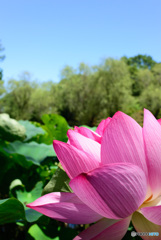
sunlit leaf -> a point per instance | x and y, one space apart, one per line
31 129
56 126
36 232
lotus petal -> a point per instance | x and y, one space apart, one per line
88 133
65 207
159 121
85 144
73 160
114 191
152 213
123 142
102 126
105 229
152 140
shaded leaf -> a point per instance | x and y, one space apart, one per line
11 156
11 210
32 215
58 183
28 197
11 164
32 151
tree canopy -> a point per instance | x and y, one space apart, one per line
89 93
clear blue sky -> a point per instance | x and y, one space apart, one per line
42 36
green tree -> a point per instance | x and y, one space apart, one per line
140 61
84 69
116 87
41 101
151 99
143 78
87 98
77 97
16 101
156 70
136 64
25 99
67 72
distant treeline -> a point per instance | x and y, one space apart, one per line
88 94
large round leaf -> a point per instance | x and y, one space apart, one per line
31 129
32 150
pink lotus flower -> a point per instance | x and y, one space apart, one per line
115 176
